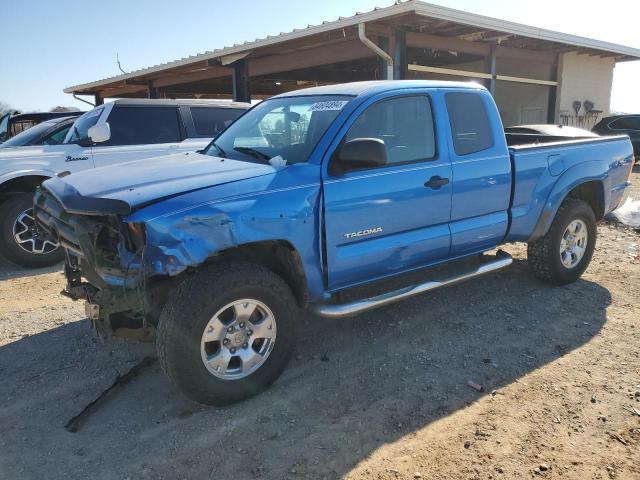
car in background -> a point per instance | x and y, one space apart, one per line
49 132
110 134
13 124
621 125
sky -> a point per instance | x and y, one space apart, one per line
49 45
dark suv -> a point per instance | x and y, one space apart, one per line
13 124
621 124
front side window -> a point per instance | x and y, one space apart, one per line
57 137
82 125
288 127
469 122
209 122
404 124
143 125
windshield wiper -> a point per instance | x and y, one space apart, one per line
253 152
220 149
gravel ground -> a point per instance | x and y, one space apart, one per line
380 396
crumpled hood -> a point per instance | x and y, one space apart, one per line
144 181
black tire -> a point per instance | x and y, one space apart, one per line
544 254
187 312
12 208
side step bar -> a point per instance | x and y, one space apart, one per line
502 259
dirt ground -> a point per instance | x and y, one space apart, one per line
380 396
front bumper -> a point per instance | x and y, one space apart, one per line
102 270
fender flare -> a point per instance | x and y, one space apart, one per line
4 178
573 177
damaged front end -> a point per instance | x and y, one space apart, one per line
105 264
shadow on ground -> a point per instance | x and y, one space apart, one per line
353 386
10 270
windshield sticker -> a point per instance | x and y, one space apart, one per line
327 106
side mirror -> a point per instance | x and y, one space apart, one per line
363 153
99 133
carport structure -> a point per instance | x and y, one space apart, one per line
536 75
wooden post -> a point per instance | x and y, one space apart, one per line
383 43
152 92
400 55
492 69
552 109
241 81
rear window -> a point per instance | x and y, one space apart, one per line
626 123
469 121
209 122
143 125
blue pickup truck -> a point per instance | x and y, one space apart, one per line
306 199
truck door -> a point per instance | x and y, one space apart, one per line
392 218
481 172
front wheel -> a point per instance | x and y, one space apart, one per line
227 332
563 254
20 241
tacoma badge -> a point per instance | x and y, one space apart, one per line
363 233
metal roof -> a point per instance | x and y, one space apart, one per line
400 7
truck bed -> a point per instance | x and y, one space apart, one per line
543 165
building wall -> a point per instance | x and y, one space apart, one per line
522 103
580 78
584 77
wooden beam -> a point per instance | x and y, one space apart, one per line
135 81
466 73
435 42
449 71
192 76
531 81
525 54
320 56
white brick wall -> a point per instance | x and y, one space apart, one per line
584 77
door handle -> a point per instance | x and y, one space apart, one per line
436 182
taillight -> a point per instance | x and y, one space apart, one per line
137 234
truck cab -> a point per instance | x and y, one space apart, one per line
308 198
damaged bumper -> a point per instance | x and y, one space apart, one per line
104 267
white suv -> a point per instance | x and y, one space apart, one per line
117 132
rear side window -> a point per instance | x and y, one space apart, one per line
404 124
209 122
469 121
626 123
143 125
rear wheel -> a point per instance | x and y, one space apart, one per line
20 241
227 332
563 254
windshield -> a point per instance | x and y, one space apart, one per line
288 127
27 136
80 127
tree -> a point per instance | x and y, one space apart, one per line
60 108
4 108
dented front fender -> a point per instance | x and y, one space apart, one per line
186 231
